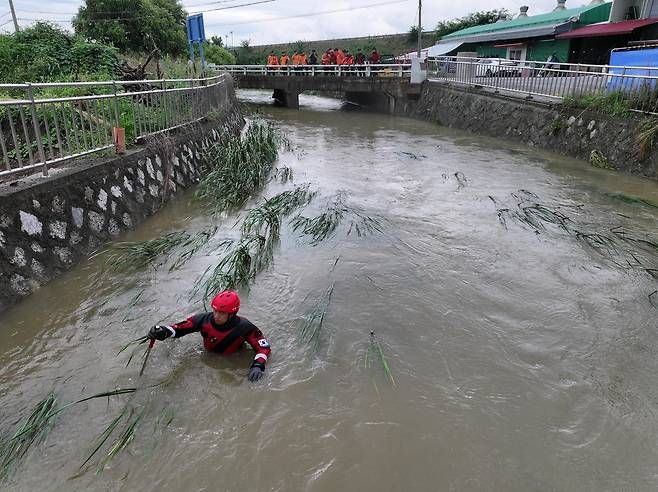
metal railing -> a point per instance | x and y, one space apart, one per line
40 130
550 80
374 70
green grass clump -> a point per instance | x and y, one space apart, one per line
139 254
314 319
31 430
254 251
239 167
615 103
324 225
375 352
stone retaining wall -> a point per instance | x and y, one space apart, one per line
47 225
568 131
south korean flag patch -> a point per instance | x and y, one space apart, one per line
263 343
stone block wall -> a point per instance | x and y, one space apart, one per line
48 225
568 131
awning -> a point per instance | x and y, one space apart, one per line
607 29
443 48
509 45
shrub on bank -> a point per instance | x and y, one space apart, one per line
46 53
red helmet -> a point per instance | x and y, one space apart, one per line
226 301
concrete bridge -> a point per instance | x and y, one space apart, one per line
383 87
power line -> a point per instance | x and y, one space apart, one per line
111 12
313 14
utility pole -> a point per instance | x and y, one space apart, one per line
13 14
420 28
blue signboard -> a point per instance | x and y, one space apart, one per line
196 34
195 30
626 62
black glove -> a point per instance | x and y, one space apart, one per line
159 332
256 372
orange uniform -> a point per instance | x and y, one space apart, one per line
326 59
272 60
340 57
284 60
302 59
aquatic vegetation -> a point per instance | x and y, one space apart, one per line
632 199
139 254
461 180
253 252
597 159
34 428
239 167
266 219
245 258
314 319
283 174
624 248
324 225
646 136
375 352
192 245
30 431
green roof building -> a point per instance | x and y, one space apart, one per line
526 37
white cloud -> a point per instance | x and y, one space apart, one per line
386 19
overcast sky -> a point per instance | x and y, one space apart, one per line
248 22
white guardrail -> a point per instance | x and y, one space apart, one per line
552 80
40 131
378 70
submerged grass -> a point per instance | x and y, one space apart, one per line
314 319
139 254
254 251
34 428
624 248
324 225
375 352
239 167
31 430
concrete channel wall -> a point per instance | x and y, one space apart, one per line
553 127
48 225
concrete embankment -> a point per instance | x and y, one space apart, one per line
569 131
49 224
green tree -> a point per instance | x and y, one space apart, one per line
218 55
46 53
134 25
412 35
217 41
444 28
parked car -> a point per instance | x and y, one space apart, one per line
497 67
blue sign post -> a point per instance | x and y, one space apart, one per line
196 34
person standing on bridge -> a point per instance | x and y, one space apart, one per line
313 59
223 331
333 57
272 60
340 56
360 59
374 57
284 60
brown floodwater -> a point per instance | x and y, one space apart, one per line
523 361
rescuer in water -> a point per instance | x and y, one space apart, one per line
223 331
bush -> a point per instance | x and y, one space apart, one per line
46 53
218 55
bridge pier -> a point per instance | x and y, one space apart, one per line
286 98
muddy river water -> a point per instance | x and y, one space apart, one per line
523 359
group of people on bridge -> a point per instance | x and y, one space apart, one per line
336 56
